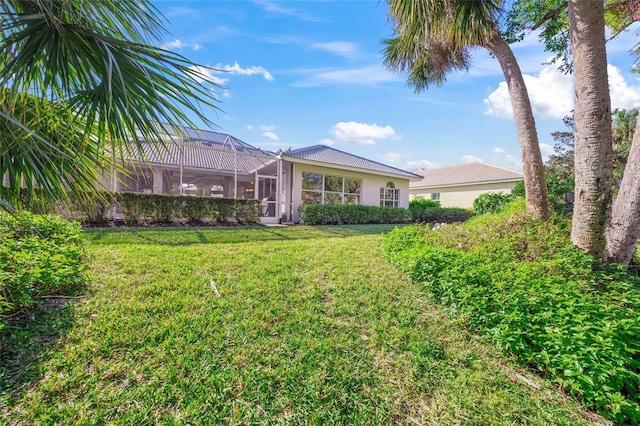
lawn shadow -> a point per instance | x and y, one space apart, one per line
28 341
179 236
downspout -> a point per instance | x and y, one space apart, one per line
279 202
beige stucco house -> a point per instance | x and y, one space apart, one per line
213 164
458 186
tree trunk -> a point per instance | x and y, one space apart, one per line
592 127
534 180
624 230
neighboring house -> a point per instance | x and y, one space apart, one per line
212 164
458 186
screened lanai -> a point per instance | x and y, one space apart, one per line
203 163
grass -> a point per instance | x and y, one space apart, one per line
312 325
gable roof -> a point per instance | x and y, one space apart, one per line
334 157
465 174
203 149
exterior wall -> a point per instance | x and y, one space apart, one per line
370 190
463 196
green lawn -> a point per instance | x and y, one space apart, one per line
311 325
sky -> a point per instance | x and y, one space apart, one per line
302 73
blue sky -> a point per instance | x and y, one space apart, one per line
299 73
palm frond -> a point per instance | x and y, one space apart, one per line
98 64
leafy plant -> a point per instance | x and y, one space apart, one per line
337 214
39 255
490 202
429 211
522 285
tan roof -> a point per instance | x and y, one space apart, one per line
465 174
332 156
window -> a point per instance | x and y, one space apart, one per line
327 189
389 195
435 196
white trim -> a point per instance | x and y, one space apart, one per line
353 169
450 185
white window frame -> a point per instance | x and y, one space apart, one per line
389 195
323 191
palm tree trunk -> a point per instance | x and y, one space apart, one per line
534 180
592 114
624 230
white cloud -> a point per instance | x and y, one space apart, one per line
467 158
390 157
550 92
271 135
237 69
327 142
269 128
273 7
203 74
515 162
362 133
546 150
177 44
622 95
552 95
340 48
507 160
498 150
421 164
365 76
249 127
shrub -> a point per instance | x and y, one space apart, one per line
523 285
490 202
337 214
429 211
39 255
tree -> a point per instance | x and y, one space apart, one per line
592 128
81 82
624 124
559 169
433 37
624 230
585 25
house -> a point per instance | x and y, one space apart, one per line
213 164
458 186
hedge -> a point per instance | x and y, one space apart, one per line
140 208
429 211
337 214
39 255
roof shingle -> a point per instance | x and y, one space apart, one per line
325 154
465 174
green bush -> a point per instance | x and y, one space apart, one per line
140 208
39 255
523 285
337 214
429 211
490 202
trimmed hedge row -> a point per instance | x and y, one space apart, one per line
524 286
429 211
161 208
39 255
337 214
139 208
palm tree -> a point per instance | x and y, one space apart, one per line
592 127
624 229
433 37
79 81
